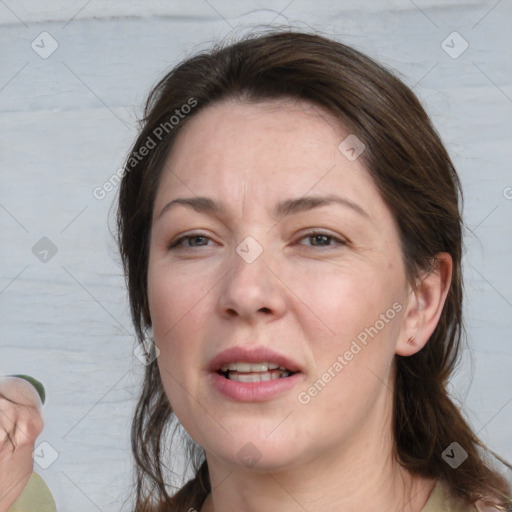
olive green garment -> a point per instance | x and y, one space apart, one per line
35 497
443 500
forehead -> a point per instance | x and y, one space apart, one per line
243 151
230 131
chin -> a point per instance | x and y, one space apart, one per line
254 452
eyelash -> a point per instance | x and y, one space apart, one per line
176 244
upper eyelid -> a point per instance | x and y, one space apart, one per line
307 234
181 238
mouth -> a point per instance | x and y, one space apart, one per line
254 372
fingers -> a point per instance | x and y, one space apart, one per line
19 391
6 442
7 425
19 425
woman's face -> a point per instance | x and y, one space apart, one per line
274 276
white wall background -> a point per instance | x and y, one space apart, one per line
67 122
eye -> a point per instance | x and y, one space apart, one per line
322 239
318 239
178 244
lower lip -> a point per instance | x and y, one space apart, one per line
253 391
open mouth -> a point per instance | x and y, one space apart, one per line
254 372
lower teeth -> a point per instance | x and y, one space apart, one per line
256 377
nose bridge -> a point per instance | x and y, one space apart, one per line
250 286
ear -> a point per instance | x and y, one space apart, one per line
425 304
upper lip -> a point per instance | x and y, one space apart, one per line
253 355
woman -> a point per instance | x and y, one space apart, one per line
290 229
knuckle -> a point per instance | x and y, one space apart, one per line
30 427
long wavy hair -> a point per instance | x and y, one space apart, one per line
416 179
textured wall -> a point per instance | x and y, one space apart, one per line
67 120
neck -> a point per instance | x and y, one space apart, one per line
318 492
361 474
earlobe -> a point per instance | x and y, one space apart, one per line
425 305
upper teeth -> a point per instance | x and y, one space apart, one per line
251 367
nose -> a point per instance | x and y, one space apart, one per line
251 290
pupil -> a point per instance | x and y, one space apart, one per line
320 237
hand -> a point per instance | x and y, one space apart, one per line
20 424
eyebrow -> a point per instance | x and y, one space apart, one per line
282 209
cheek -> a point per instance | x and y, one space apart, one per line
165 310
171 298
357 313
179 309
174 329
353 362
346 298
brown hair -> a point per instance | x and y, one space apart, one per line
416 179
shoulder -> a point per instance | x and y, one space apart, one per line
442 499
